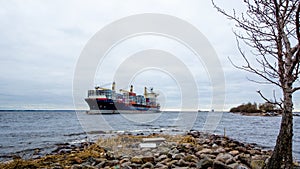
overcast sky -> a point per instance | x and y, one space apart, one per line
41 42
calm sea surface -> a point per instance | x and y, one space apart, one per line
24 131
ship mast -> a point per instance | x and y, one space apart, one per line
113 87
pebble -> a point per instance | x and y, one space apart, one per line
203 151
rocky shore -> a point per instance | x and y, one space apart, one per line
192 150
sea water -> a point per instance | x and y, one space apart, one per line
24 131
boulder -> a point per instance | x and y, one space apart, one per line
147 165
124 165
234 152
205 163
223 157
162 166
162 157
220 165
205 151
178 156
137 159
252 152
232 145
77 160
146 159
182 163
165 161
191 158
219 150
171 163
241 149
76 166
241 166
245 159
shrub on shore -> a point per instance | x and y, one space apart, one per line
254 108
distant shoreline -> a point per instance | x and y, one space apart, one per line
256 114
263 114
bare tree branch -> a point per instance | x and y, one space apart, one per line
269 101
271 29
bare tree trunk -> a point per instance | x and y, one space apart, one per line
272 30
283 150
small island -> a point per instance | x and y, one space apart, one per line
254 109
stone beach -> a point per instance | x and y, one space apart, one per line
193 150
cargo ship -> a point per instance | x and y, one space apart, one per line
108 101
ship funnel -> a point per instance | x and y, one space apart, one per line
113 87
145 92
131 88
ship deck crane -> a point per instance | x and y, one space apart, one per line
146 93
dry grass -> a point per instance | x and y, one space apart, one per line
50 161
104 147
128 144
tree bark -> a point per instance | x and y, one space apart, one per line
282 155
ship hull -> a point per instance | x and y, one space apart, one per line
109 106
